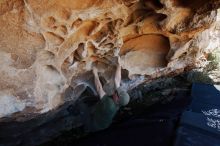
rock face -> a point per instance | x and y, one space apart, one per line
48 48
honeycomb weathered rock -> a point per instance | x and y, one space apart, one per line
47 47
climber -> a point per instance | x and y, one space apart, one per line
108 105
100 115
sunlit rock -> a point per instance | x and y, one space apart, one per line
48 48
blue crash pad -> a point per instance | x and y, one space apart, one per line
205 93
200 124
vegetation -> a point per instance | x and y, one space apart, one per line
211 73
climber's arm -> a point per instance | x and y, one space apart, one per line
118 74
98 84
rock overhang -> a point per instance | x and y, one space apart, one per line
48 47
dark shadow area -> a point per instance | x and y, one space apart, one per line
151 119
138 124
154 127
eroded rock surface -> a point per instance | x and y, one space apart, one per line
47 48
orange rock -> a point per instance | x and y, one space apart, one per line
53 38
45 44
150 43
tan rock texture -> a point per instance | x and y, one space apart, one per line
48 47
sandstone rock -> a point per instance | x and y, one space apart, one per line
47 48
53 38
145 54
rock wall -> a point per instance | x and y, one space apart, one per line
48 48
